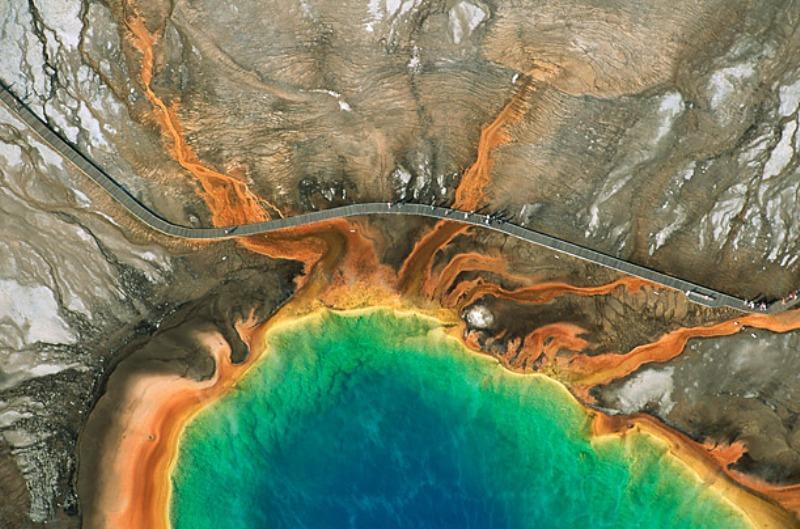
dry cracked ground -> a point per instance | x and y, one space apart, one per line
661 132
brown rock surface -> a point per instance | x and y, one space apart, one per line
663 132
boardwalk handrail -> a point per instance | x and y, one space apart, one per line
696 293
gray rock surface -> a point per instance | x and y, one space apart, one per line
665 132
738 388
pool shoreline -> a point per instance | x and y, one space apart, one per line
171 405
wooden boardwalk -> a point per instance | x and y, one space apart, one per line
696 293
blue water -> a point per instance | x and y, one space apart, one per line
379 421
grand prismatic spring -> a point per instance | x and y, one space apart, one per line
386 370
376 419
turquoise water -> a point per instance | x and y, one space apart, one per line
377 420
